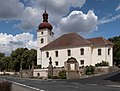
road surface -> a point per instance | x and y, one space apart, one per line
100 83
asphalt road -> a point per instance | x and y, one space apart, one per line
108 82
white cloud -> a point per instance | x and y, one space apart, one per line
109 19
77 21
118 8
8 42
30 16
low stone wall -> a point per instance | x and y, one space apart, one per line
98 71
40 73
11 73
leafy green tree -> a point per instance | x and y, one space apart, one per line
2 55
116 49
25 57
17 58
5 61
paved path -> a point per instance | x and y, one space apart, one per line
100 83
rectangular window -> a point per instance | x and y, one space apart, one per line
82 51
47 54
99 51
82 62
109 51
56 63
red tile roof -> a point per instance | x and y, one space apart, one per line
74 40
66 40
99 41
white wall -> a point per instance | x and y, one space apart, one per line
104 55
48 37
62 56
90 56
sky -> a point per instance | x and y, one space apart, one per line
19 20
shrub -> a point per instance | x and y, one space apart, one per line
55 77
103 63
89 70
5 86
62 74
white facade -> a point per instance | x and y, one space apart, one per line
90 47
90 56
44 36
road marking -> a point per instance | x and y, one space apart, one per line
92 84
69 86
62 82
54 81
24 85
27 86
118 86
75 83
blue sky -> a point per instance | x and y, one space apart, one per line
89 18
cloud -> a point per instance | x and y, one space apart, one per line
8 42
79 22
11 9
118 8
59 7
109 19
30 14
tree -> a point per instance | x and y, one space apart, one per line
25 57
17 58
116 49
2 55
5 61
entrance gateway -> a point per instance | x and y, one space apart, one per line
72 68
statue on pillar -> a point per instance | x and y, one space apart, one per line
50 68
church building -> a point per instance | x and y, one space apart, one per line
85 51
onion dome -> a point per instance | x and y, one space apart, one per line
45 23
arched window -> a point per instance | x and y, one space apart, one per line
41 33
42 40
47 54
56 53
109 51
69 52
99 51
82 51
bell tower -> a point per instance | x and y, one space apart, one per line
44 36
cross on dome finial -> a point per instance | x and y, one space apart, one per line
45 15
45 7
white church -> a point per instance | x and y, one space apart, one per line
85 51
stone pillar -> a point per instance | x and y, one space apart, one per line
32 70
50 68
21 69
